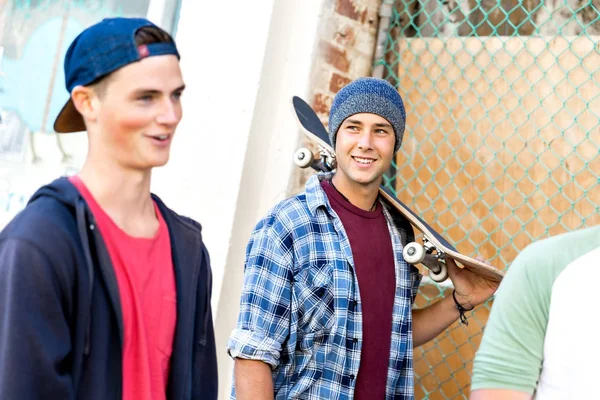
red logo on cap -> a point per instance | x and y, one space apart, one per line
143 51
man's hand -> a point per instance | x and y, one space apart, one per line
470 289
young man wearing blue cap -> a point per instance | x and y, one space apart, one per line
104 291
326 308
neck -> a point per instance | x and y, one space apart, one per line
124 194
360 195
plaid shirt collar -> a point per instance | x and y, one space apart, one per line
315 195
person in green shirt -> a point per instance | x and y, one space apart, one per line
541 338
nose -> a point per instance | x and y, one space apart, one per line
170 113
364 141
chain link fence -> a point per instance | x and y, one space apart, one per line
502 143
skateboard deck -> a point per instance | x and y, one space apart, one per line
435 247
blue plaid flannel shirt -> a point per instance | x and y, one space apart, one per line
300 306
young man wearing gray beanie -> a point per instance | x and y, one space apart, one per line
326 309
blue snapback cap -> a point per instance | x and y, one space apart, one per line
98 51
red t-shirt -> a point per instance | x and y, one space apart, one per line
373 256
146 280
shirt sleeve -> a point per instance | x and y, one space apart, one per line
415 278
511 350
264 317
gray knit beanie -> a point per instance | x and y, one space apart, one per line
368 95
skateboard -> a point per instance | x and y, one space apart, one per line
434 250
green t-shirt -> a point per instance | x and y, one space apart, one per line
541 336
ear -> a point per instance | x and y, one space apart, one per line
86 102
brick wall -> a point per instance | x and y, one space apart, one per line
344 52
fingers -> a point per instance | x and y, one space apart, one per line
451 265
483 260
451 262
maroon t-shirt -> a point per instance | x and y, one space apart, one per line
375 270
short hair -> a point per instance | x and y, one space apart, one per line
144 36
152 34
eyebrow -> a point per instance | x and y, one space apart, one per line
377 125
154 91
354 121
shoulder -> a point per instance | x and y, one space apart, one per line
47 224
544 260
291 211
41 244
287 216
566 246
179 223
283 223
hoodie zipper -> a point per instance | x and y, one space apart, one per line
105 265
82 227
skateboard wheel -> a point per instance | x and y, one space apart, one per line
303 157
413 253
441 275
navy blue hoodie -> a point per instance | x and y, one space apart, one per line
61 328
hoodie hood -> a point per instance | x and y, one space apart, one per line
60 189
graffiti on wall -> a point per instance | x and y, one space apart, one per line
34 37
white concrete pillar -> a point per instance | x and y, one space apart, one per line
232 156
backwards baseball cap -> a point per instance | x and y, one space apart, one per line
98 51
368 95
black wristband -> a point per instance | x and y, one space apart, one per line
461 309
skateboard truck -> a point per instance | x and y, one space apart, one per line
305 158
415 253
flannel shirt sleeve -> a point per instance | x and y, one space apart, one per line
415 277
264 316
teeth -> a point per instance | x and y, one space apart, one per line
363 160
162 137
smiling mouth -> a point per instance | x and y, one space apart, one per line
364 161
161 138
